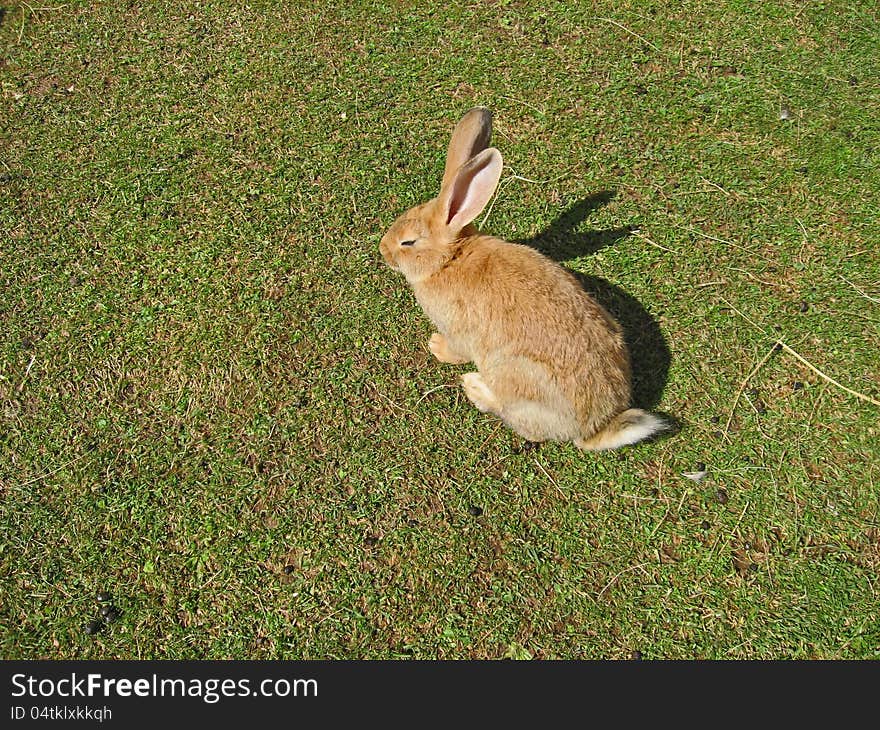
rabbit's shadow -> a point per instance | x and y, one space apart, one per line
649 352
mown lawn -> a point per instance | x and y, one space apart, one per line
217 403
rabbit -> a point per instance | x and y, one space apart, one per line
551 362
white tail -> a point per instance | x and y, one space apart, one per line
627 428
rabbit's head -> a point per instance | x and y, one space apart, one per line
424 238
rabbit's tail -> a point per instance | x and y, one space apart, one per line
624 429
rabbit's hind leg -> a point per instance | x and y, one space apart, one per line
530 402
533 420
537 422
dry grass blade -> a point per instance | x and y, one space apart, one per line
802 359
742 387
632 33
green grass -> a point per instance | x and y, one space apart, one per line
217 403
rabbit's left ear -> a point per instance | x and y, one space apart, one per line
471 136
463 198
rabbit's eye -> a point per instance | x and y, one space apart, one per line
407 243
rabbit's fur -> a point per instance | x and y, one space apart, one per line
550 361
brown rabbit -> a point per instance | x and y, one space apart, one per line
551 362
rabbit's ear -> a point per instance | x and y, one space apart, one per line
470 189
471 136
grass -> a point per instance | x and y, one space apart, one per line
217 403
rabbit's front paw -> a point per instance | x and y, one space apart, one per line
440 349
